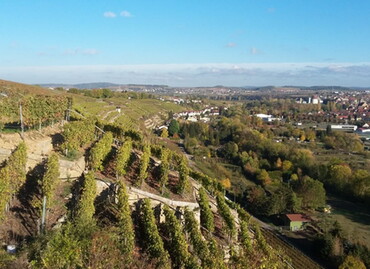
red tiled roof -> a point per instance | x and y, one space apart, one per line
297 217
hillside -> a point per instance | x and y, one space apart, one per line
111 187
21 220
11 88
42 107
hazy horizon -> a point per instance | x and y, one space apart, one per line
186 43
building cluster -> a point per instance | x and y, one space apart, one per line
199 115
178 100
268 118
342 106
351 106
315 100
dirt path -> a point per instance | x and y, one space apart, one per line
106 114
114 118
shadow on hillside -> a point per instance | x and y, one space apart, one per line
28 210
105 208
76 189
352 211
57 140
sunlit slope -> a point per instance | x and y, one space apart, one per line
11 88
133 111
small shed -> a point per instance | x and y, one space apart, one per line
295 222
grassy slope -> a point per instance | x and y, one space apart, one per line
355 223
14 88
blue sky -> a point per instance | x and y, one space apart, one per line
187 42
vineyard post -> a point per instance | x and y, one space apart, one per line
21 118
43 214
69 109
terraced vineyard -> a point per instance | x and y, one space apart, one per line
298 259
126 121
132 111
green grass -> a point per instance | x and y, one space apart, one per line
353 218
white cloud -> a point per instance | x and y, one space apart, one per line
79 51
206 74
255 51
126 14
271 10
230 45
90 52
109 14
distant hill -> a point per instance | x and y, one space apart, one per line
11 88
307 88
99 85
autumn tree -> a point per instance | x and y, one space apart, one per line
286 166
351 262
361 184
278 163
339 176
263 177
311 192
164 133
226 183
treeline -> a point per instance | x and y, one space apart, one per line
108 93
242 142
269 164
292 111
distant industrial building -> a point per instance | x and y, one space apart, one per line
268 118
343 127
315 100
